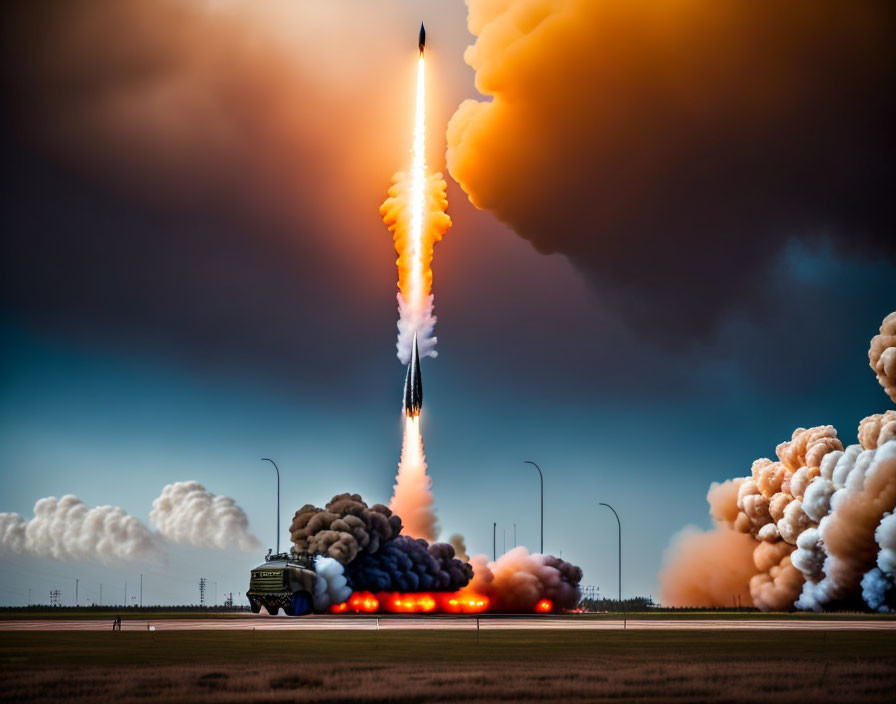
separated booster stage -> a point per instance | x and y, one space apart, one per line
413 385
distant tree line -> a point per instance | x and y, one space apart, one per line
133 608
646 603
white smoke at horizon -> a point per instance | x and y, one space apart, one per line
817 518
69 529
188 514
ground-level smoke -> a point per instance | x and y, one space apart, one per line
360 549
813 529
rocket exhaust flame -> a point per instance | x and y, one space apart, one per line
415 214
412 495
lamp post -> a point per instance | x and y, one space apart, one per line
541 479
619 525
266 459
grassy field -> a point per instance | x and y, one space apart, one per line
418 666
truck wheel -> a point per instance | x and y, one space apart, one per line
255 606
299 605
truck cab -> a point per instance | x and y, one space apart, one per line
283 580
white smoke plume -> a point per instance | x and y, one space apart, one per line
866 494
817 519
879 584
518 580
189 514
330 585
69 529
882 355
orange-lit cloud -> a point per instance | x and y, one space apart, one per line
670 149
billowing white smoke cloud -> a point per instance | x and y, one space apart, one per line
189 514
818 517
68 529
330 585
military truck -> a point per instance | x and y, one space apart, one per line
284 580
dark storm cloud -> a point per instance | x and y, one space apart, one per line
672 149
176 179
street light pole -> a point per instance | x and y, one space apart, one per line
619 525
541 479
266 459
494 542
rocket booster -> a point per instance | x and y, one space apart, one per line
413 385
421 40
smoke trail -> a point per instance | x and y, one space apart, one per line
415 214
412 494
518 581
882 355
68 529
330 585
187 513
816 517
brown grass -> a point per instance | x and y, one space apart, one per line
413 667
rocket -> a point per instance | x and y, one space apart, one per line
413 385
421 41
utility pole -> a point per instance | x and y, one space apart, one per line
541 479
494 542
101 593
216 593
29 596
514 535
125 593
505 541
141 589
266 459
76 591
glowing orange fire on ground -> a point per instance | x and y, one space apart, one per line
462 602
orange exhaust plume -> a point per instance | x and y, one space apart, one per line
415 214
412 495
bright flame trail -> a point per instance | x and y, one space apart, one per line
415 214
